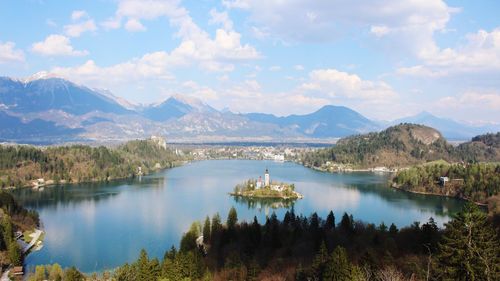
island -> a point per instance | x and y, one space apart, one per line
258 189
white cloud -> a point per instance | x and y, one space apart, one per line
298 67
150 66
402 28
479 54
111 23
79 14
421 71
8 53
50 23
201 92
240 4
221 18
134 25
56 45
259 33
81 23
197 46
475 105
248 96
149 9
338 84
379 30
320 20
275 68
76 29
483 100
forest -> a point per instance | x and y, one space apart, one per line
478 182
20 165
312 248
401 146
13 217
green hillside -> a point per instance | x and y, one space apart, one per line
401 146
22 165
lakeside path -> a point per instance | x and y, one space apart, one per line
35 238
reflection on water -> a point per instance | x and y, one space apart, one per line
101 226
265 204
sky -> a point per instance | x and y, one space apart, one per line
386 59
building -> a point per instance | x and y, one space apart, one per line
259 183
160 141
443 180
279 158
18 270
267 181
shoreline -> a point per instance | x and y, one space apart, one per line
51 182
395 186
299 196
383 170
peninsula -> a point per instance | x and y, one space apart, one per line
267 189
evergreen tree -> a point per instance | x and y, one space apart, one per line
469 249
393 229
188 241
347 224
124 273
72 274
338 267
39 273
216 225
8 231
14 253
55 273
330 221
232 218
155 268
146 270
207 232
319 261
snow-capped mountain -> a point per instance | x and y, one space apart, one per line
48 93
45 108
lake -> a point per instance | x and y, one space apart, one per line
101 226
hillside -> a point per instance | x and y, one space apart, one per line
12 127
483 148
24 165
397 146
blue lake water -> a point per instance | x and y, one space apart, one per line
100 226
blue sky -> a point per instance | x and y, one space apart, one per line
385 59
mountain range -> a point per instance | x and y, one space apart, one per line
46 109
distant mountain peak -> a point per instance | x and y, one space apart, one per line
119 100
39 76
425 113
45 91
193 102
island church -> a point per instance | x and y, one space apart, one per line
267 180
